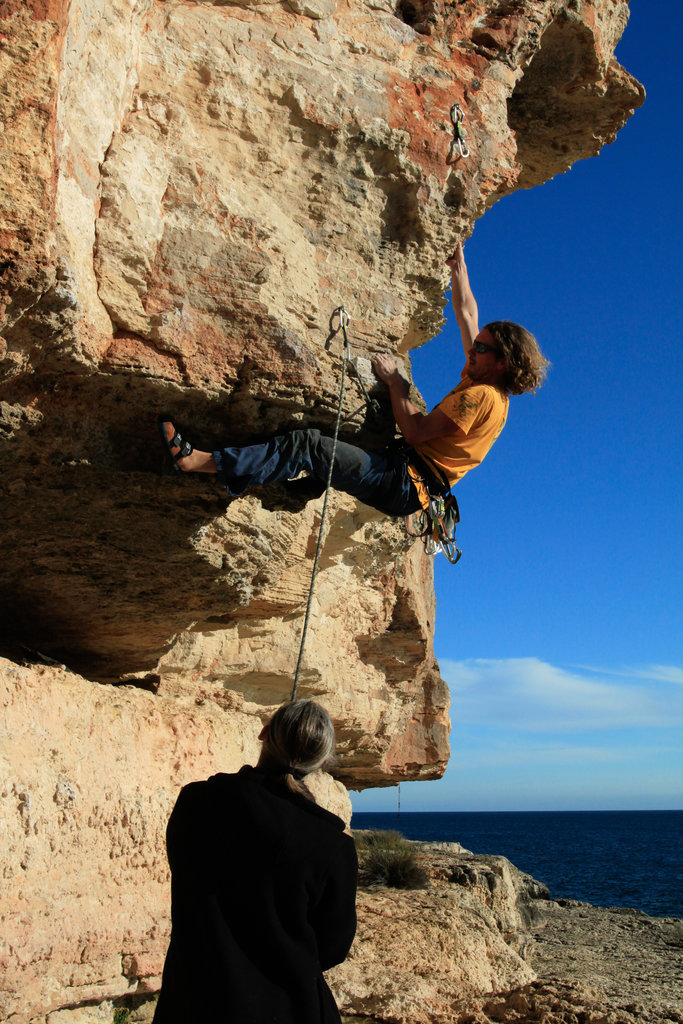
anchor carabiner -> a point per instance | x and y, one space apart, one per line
344 317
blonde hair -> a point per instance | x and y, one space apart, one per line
299 739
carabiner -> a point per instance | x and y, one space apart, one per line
344 317
457 118
457 115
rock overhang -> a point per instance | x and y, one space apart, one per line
202 185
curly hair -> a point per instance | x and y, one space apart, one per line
526 364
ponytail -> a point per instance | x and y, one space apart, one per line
299 739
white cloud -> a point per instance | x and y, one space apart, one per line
657 673
531 695
529 735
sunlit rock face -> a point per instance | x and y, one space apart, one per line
187 192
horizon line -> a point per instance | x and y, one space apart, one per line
547 810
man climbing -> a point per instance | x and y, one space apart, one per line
440 447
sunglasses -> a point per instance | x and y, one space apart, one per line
480 347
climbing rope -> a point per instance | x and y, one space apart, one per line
344 320
458 144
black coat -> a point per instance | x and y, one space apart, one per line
262 901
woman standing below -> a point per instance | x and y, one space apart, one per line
263 887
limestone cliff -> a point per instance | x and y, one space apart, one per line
187 191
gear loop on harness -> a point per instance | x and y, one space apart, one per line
434 531
436 521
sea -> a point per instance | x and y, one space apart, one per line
608 858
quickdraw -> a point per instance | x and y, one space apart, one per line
436 526
370 403
458 145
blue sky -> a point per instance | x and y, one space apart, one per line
559 631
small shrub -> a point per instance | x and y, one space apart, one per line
379 839
121 1015
397 869
388 859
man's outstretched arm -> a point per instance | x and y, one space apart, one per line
413 424
464 303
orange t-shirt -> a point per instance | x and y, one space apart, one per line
480 412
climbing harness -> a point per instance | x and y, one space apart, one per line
435 523
344 320
458 145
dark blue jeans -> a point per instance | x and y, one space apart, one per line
379 479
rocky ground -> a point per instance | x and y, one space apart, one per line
634 962
594 965
483 943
